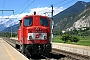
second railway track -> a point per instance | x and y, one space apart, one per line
56 54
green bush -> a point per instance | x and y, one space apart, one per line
65 38
74 39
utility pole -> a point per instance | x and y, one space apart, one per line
8 18
52 24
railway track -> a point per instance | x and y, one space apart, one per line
54 55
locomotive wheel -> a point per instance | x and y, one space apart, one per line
22 48
27 51
47 49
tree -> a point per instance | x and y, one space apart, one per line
65 38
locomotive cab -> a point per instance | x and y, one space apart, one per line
34 35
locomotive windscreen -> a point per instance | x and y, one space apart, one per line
43 21
28 21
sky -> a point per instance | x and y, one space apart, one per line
27 7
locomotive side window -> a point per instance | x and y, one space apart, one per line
28 21
44 21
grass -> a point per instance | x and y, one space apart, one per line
83 41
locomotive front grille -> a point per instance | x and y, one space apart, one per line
37 36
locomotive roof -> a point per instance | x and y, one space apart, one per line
35 15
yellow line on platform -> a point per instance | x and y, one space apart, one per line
12 58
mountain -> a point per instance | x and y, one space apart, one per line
4 23
83 21
14 28
72 17
66 18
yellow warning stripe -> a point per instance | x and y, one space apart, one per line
12 58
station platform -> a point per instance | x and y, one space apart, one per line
84 50
7 52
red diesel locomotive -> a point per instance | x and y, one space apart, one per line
34 35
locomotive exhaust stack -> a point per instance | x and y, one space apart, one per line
34 12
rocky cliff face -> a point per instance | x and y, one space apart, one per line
66 18
83 21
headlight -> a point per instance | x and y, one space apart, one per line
45 37
30 37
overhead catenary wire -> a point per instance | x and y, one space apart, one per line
27 7
67 3
59 2
59 6
22 6
64 4
54 5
